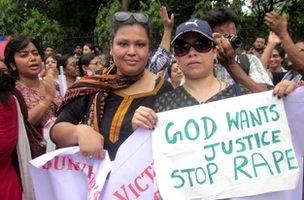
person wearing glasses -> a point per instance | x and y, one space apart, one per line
194 51
97 110
89 64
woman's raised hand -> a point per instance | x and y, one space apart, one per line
50 87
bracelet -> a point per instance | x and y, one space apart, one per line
44 104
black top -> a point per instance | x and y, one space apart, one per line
180 98
118 112
277 77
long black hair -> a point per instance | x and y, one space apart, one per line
85 60
7 85
15 45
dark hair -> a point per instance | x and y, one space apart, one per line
56 57
300 40
63 60
169 69
85 60
260 36
97 49
280 50
49 46
77 44
131 21
221 15
14 46
7 85
106 59
90 45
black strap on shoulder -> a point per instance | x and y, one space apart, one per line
243 61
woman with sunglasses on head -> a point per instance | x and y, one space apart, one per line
194 51
97 110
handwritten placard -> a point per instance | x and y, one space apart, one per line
230 148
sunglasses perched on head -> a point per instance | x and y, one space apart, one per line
123 16
182 48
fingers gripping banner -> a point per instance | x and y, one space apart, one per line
66 174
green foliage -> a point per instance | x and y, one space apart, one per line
183 10
10 17
65 22
103 22
16 20
152 8
201 8
47 30
237 5
296 19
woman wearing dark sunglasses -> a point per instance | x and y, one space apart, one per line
97 110
194 51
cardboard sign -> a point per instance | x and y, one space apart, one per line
229 148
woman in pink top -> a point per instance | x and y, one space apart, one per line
22 57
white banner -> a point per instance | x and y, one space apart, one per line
50 146
230 148
66 174
132 175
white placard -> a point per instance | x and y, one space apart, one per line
230 148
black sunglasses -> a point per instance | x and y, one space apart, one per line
123 16
182 48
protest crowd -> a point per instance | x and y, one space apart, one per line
96 100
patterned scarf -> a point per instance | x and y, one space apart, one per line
100 86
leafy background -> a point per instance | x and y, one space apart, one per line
63 23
